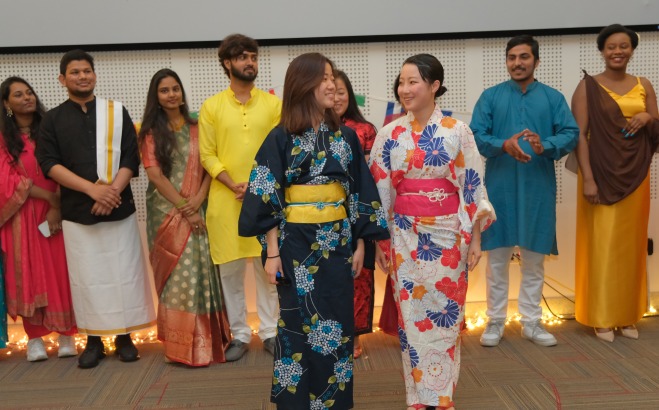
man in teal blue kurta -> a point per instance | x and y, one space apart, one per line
521 126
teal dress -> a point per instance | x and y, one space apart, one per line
523 194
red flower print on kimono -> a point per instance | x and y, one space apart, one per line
451 352
451 167
466 236
385 247
396 177
456 291
404 294
416 161
397 131
471 210
377 172
424 325
451 257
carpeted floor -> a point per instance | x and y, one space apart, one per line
582 372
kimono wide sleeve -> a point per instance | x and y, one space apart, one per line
264 201
474 202
381 173
367 215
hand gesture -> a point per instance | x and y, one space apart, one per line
512 148
473 254
358 259
590 191
105 195
54 218
534 140
271 267
635 123
197 223
239 189
99 209
381 260
191 206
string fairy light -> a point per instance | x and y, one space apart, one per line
18 341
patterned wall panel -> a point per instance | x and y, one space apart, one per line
207 77
40 70
351 59
549 71
452 55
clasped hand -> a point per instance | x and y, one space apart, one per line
512 148
107 198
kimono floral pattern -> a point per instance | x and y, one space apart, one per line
315 328
428 254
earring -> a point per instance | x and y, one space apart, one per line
10 113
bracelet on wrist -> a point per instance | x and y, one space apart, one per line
272 257
181 203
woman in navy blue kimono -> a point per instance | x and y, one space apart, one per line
314 201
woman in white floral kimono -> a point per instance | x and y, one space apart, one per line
429 175
311 194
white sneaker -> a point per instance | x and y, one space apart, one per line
67 346
493 333
36 351
535 332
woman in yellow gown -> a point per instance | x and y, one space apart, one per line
619 123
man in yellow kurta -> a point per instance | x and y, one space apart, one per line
232 126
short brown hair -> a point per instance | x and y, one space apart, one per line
234 45
299 105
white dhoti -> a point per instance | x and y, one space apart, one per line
108 274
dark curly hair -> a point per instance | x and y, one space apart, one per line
608 31
234 45
8 126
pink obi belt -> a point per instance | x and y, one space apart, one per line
426 197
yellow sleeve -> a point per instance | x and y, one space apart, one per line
277 110
208 139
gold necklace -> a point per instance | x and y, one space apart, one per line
177 125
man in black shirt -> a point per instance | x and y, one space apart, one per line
89 146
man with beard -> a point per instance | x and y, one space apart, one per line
232 126
521 126
88 145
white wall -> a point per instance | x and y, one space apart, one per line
65 22
470 65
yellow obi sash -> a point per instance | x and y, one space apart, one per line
315 203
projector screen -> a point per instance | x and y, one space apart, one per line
57 23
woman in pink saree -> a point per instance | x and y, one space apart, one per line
36 274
